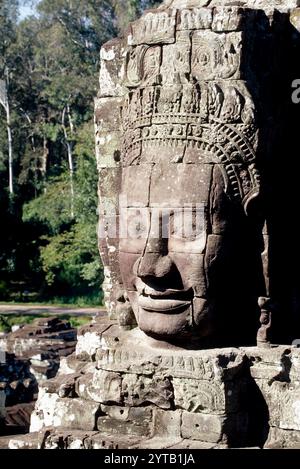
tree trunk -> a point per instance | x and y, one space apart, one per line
5 103
44 156
70 156
10 152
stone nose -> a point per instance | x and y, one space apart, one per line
153 265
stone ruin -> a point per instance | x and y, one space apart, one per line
194 118
30 355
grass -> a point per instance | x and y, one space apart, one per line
7 321
71 302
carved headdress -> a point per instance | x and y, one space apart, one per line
186 92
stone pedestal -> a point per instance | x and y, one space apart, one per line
125 392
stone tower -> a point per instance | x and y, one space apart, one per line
195 125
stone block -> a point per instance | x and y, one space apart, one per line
207 428
133 178
283 400
43 414
226 64
52 411
30 441
157 443
193 444
105 387
112 57
281 439
109 188
107 114
167 423
172 183
71 364
269 363
199 396
75 414
227 19
154 28
208 396
108 146
139 390
90 339
196 18
63 385
125 421
119 442
82 385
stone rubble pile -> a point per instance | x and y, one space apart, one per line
29 356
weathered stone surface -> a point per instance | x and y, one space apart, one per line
105 387
167 424
83 384
125 421
63 385
276 374
140 390
110 442
270 363
52 411
190 444
279 439
90 339
283 400
157 443
108 149
221 365
17 418
196 18
154 28
227 19
208 428
111 69
30 441
199 396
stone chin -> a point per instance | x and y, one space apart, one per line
171 321
164 325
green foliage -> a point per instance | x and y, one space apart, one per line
68 258
50 62
52 207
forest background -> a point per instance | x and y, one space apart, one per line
49 67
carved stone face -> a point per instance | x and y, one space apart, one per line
162 264
186 140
